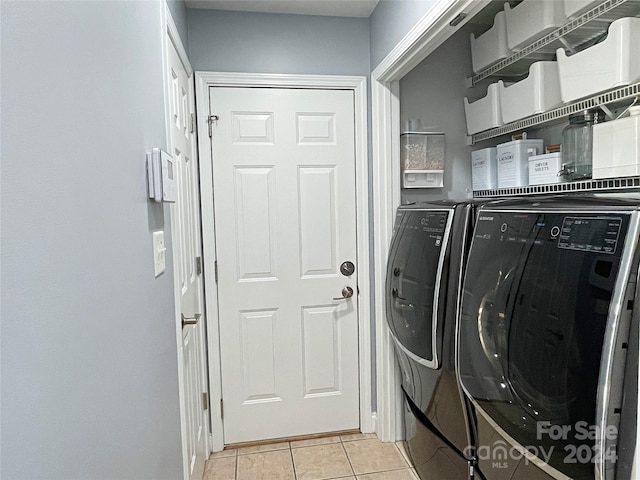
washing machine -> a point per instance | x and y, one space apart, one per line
424 275
548 338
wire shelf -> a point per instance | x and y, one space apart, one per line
571 35
609 98
629 184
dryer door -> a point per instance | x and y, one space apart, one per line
537 294
413 278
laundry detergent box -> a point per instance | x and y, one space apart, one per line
512 158
484 169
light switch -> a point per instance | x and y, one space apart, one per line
159 250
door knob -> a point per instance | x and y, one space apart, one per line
347 292
190 320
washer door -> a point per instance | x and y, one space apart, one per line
413 274
537 293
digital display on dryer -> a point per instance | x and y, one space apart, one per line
592 234
432 225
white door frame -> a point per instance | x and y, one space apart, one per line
170 34
429 33
204 80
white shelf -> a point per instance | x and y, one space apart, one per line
575 33
628 184
422 178
610 99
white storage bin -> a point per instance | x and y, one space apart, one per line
616 147
531 20
513 165
484 113
539 92
484 169
543 169
575 8
491 46
612 63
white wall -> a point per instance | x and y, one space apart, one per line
88 348
225 41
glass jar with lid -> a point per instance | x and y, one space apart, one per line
577 143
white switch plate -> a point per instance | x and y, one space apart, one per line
159 250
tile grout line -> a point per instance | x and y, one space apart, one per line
348 459
404 455
293 462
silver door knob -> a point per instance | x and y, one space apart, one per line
347 292
190 320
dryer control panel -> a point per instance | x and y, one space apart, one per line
596 234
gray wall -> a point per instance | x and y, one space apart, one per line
391 21
272 43
433 92
88 346
178 10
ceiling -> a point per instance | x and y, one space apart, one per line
331 8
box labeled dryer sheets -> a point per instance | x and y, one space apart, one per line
513 165
544 169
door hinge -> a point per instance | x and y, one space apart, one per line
199 265
205 401
215 270
221 409
193 122
210 120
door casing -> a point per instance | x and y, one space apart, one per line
428 34
357 84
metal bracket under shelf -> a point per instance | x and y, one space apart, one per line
620 94
626 184
517 64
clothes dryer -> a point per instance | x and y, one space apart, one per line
548 338
424 275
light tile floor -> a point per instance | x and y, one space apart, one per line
349 457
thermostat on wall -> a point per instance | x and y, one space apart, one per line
161 176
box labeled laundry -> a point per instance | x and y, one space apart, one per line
543 169
616 147
484 169
612 63
512 158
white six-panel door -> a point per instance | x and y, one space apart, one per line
284 187
185 223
